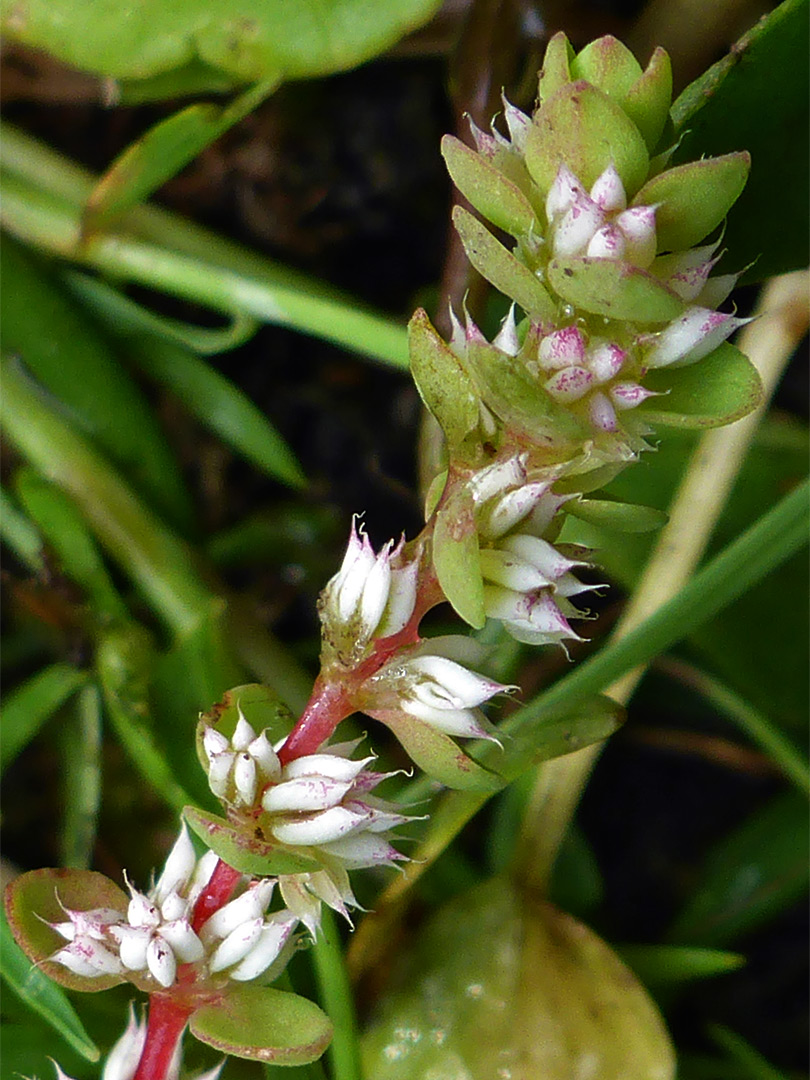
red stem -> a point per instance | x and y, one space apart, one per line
215 894
164 1030
328 705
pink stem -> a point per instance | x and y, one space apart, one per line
328 705
164 1030
215 894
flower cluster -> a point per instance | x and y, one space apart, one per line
155 936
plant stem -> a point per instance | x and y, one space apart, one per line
165 1027
215 894
328 705
337 999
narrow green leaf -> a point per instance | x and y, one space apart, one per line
337 997
263 1024
62 347
614 289
81 746
31 705
615 515
241 846
456 559
20 533
663 965
500 267
735 106
138 540
124 316
719 389
124 660
67 533
163 151
750 877
492 194
42 994
220 406
755 1065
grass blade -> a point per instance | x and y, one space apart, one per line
31 705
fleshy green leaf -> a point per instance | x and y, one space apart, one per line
491 193
263 1024
583 128
442 380
756 98
245 847
648 100
457 561
31 705
162 152
41 994
438 755
249 40
500 267
719 389
693 199
609 65
619 516
750 877
510 980
37 898
614 289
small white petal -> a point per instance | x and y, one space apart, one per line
313 829
244 778
577 228
132 945
375 592
363 850
503 514
275 934
517 123
495 479
219 773
67 930
606 243
243 734
561 349
246 908
141 911
201 876
564 191
307 793
179 867
507 569
602 413
692 336
265 757
184 943
463 723
327 765
606 361
570 384
174 907
125 1054
347 588
401 599
627 395
608 190
637 226
161 961
460 687
541 554
85 956
236 945
507 338
214 742
716 290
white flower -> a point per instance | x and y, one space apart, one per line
371 597
239 767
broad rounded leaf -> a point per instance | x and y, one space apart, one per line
260 707
442 382
263 1024
614 289
502 985
35 899
693 199
581 127
719 389
248 39
491 193
500 267
609 65
456 559
246 848
438 756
